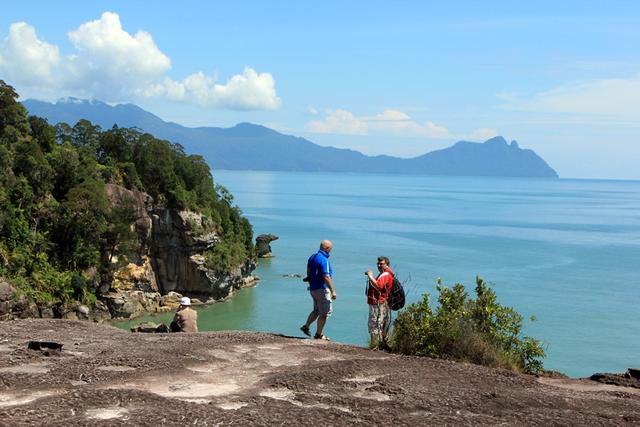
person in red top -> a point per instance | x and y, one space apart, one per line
378 291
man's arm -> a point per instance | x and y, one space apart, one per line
329 282
372 280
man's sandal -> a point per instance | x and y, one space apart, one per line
305 330
321 337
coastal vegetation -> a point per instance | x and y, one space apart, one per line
61 236
480 330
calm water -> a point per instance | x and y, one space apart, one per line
566 251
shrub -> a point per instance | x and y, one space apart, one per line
479 330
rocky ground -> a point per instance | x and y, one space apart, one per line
106 376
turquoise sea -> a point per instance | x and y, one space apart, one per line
566 251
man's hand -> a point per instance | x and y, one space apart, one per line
333 295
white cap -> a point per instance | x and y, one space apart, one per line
185 301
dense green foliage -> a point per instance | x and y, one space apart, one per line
60 234
479 330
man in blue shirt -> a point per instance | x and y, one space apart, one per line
319 273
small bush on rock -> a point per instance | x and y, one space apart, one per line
479 330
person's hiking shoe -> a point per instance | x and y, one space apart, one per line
321 337
305 330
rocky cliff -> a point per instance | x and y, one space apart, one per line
178 241
170 263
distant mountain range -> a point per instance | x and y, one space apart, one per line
253 147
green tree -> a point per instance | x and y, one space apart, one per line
13 116
119 239
65 162
42 133
63 133
31 163
84 136
83 221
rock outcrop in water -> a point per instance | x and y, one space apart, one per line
263 249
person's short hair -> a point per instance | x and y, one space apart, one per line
385 259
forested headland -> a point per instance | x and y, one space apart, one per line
62 237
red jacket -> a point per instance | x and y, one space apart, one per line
385 283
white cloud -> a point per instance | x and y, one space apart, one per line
339 121
246 91
400 123
393 122
615 96
390 116
482 134
431 130
25 58
104 47
113 65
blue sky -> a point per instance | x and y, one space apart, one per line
399 78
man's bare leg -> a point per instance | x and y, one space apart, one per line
312 318
321 321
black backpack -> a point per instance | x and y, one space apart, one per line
396 297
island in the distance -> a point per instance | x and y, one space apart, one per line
248 146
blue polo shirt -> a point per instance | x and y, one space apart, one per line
317 267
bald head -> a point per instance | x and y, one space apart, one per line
326 245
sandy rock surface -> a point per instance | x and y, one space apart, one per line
107 376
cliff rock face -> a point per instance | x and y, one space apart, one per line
178 240
171 264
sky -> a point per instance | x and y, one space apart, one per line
401 78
